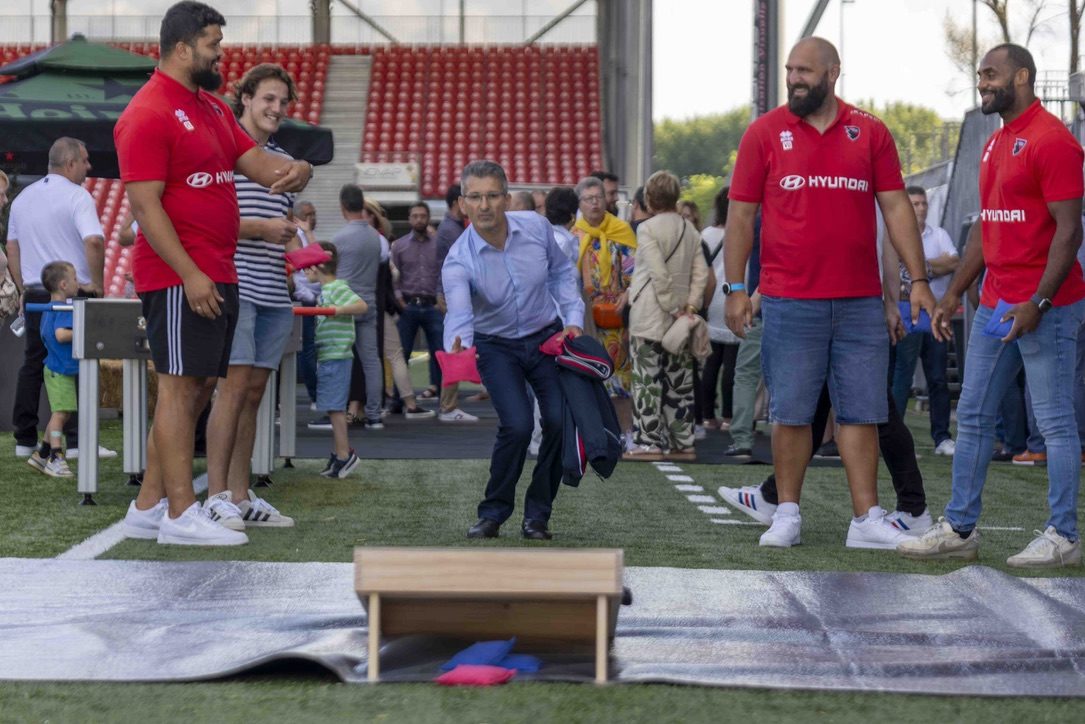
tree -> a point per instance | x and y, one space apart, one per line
701 189
701 145
958 36
923 139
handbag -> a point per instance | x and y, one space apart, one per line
9 296
606 315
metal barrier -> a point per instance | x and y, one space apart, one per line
116 329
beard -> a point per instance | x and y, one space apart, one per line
815 96
207 78
1003 99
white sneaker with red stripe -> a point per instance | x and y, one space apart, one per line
749 500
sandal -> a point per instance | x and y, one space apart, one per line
429 393
644 453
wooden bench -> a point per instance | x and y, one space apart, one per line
552 599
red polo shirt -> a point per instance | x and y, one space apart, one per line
1026 165
816 190
192 142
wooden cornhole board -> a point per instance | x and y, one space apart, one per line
551 600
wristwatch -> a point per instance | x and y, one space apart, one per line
728 287
1042 302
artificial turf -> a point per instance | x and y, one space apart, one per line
426 502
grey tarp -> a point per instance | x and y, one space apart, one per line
974 631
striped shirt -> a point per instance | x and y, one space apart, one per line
261 265
335 335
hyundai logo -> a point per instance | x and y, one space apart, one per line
200 179
793 182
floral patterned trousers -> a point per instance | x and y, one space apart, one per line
662 396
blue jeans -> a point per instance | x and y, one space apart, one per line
431 321
507 367
1035 438
365 343
935 357
1048 355
808 342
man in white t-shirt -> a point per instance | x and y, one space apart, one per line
942 260
53 219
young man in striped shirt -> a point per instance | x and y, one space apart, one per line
265 317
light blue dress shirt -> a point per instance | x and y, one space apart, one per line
509 293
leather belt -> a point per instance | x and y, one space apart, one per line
423 300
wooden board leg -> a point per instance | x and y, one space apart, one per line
601 640
374 622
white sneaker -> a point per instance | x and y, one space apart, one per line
699 432
910 525
456 415
144 524
947 447
749 500
103 453
25 451
194 528
258 512
784 531
941 542
220 508
1047 550
874 531
57 467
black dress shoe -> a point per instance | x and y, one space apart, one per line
535 530
484 528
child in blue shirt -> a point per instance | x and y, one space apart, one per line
59 280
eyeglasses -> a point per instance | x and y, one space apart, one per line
493 197
592 199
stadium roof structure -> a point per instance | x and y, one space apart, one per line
79 89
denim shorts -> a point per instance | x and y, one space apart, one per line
808 342
333 384
261 335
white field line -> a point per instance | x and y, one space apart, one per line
701 498
680 478
102 541
725 521
715 509
689 488
668 468
995 527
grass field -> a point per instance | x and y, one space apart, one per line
413 502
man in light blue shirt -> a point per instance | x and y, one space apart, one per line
502 279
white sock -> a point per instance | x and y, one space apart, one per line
875 512
788 509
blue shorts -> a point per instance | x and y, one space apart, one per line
333 385
261 335
808 342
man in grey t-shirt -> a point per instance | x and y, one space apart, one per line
359 248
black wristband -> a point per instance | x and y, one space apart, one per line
921 279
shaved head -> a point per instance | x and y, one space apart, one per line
824 50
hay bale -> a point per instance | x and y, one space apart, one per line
111 385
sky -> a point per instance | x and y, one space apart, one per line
891 49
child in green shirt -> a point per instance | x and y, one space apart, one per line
334 341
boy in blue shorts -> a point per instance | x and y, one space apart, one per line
59 280
334 341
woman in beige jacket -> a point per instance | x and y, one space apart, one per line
668 281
